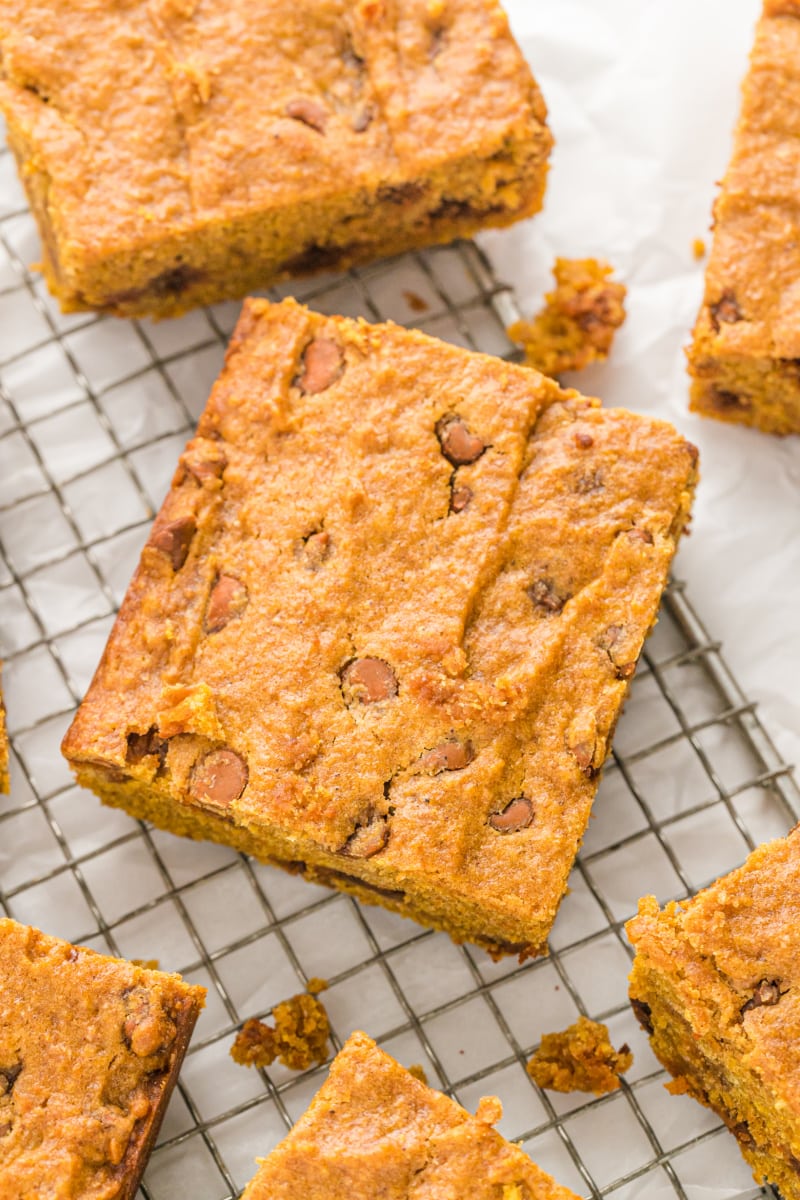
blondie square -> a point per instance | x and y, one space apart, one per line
90 1049
374 1130
176 152
745 356
716 984
386 620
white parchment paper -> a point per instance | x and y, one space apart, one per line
643 97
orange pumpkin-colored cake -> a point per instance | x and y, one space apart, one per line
176 152
386 619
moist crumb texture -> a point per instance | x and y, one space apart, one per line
745 354
298 1037
4 779
581 1059
716 984
90 1048
576 327
375 1130
205 148
386 619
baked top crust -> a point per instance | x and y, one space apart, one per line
168 114
752 295
90 1048
373 1129
390 609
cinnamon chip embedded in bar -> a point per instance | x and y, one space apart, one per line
310 112
370 837
450 755
174 540
546 597
323 364
517 814
228 599
368 681
460 498
459 444
219 778
726 309
765 995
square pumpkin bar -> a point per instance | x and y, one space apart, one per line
176 152
374 1130
386 619
716 984
745 355
90 1050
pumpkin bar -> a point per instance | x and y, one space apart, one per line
176 152
716 984
373 1129
386 620
90 1049
746 349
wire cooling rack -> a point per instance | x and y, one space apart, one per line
93 414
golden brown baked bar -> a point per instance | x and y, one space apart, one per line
374 1130
716 983
745 356
386 620
90 1049
176 152
4 780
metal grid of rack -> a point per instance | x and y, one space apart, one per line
93 413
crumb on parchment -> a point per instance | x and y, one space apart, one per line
580 316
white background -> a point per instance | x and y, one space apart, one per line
643 96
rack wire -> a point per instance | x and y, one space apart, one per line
93 413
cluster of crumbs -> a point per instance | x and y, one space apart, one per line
581 1059
576 327
299 1038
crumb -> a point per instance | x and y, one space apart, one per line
149 964
579 319
489 1110
698 248
316 985
418 1071
300 1036
255 1045
581 1059
415 302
